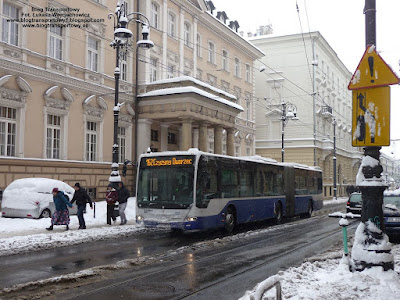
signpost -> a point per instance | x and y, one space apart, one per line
371 125
372 72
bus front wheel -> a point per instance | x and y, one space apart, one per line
230 219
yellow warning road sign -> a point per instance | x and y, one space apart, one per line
372 71
371 117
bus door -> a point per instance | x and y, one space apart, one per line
289 191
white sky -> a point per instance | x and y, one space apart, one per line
341 22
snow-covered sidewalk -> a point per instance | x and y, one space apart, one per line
19 235
325 277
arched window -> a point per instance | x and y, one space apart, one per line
198 45
211 52
237 67
225 64
186 33
154 18
171 24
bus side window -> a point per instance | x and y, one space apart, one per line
229 183
260 183
207 187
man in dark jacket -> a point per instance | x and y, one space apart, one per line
81 198
123 195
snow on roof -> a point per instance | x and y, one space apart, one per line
301 166
392 193
191 89
194 80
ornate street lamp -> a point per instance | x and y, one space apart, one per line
120 43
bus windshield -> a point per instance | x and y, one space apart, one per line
165 186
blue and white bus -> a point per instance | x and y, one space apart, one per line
194 190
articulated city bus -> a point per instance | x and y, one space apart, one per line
194 190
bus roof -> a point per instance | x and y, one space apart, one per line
256 158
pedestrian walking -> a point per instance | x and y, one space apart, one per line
61 214
123 195
81 197
111 199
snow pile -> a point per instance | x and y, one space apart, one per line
327 277
371 162
377 251
336 201
392 193
18 235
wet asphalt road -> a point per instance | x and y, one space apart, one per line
223 273
198 275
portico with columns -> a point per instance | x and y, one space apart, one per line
192 109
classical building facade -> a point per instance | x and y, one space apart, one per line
305 74
57 87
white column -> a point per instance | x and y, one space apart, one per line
203 137
186 134
218 140
144 136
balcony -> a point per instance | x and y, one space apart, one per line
326 111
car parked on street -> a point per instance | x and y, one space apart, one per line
354 204
33 198
391 212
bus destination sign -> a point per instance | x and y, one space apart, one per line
167 161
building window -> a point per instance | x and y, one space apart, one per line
237 67
93 54
198 45
91 141
171 24
10 29
153 69
225 60
172 138
122 143
8 129
124 66
170 71
53 139
55 47
237 151
248 73
186 34
211 52
248 110
154 135
154 15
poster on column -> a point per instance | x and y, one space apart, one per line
371 117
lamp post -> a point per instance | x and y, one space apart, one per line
120 43
334 160
289 112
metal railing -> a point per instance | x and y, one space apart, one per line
265 286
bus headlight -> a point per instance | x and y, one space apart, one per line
191 219
139 218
